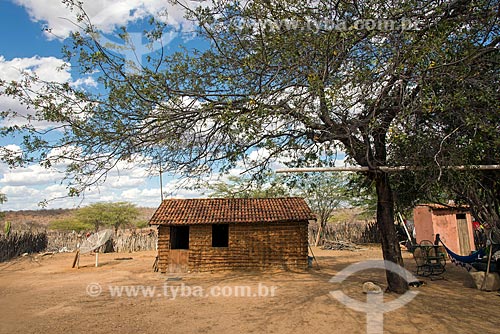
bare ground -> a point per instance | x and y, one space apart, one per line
45 295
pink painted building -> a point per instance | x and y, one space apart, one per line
454 225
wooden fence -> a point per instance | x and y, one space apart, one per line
132 241
122 241
17 244
355 232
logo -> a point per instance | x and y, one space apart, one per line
134 46
374 306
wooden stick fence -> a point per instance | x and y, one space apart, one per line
355 232
17 244
135 242
122 241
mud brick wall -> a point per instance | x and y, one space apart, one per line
163 247
251 246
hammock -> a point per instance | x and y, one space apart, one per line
464 261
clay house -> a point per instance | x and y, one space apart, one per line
453 224
232 233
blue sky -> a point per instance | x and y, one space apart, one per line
25 45
21 37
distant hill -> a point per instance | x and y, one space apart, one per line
40 219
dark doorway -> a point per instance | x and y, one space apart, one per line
220 235
179 237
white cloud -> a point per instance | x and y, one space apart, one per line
55 191
26 187
258 155
185 193
124 181
104 14
19 192
46 68
136 194
11 151
131 193
31 175
87 81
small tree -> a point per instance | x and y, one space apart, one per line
108 214
324 193
93 214
122 214
3 199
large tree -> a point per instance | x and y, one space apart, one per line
301 79
457 124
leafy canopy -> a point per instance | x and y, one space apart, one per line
300 78
115 215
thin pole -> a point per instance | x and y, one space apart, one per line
406 228
314 257
487 268
161 181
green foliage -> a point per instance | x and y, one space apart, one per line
141 223
100 215
70 224
103 214
360 192
277 80
323 192
6 229
456 125
245 187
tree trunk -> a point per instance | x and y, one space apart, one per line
385 221
318 235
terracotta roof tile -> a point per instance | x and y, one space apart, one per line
436 206
231 210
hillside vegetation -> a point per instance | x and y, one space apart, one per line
40 219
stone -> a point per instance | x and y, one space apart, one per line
492 281
469 282
372 288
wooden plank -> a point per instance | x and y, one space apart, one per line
77 255
463 236
178 260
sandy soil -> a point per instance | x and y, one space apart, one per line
45 295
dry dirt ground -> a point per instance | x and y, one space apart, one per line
45 295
